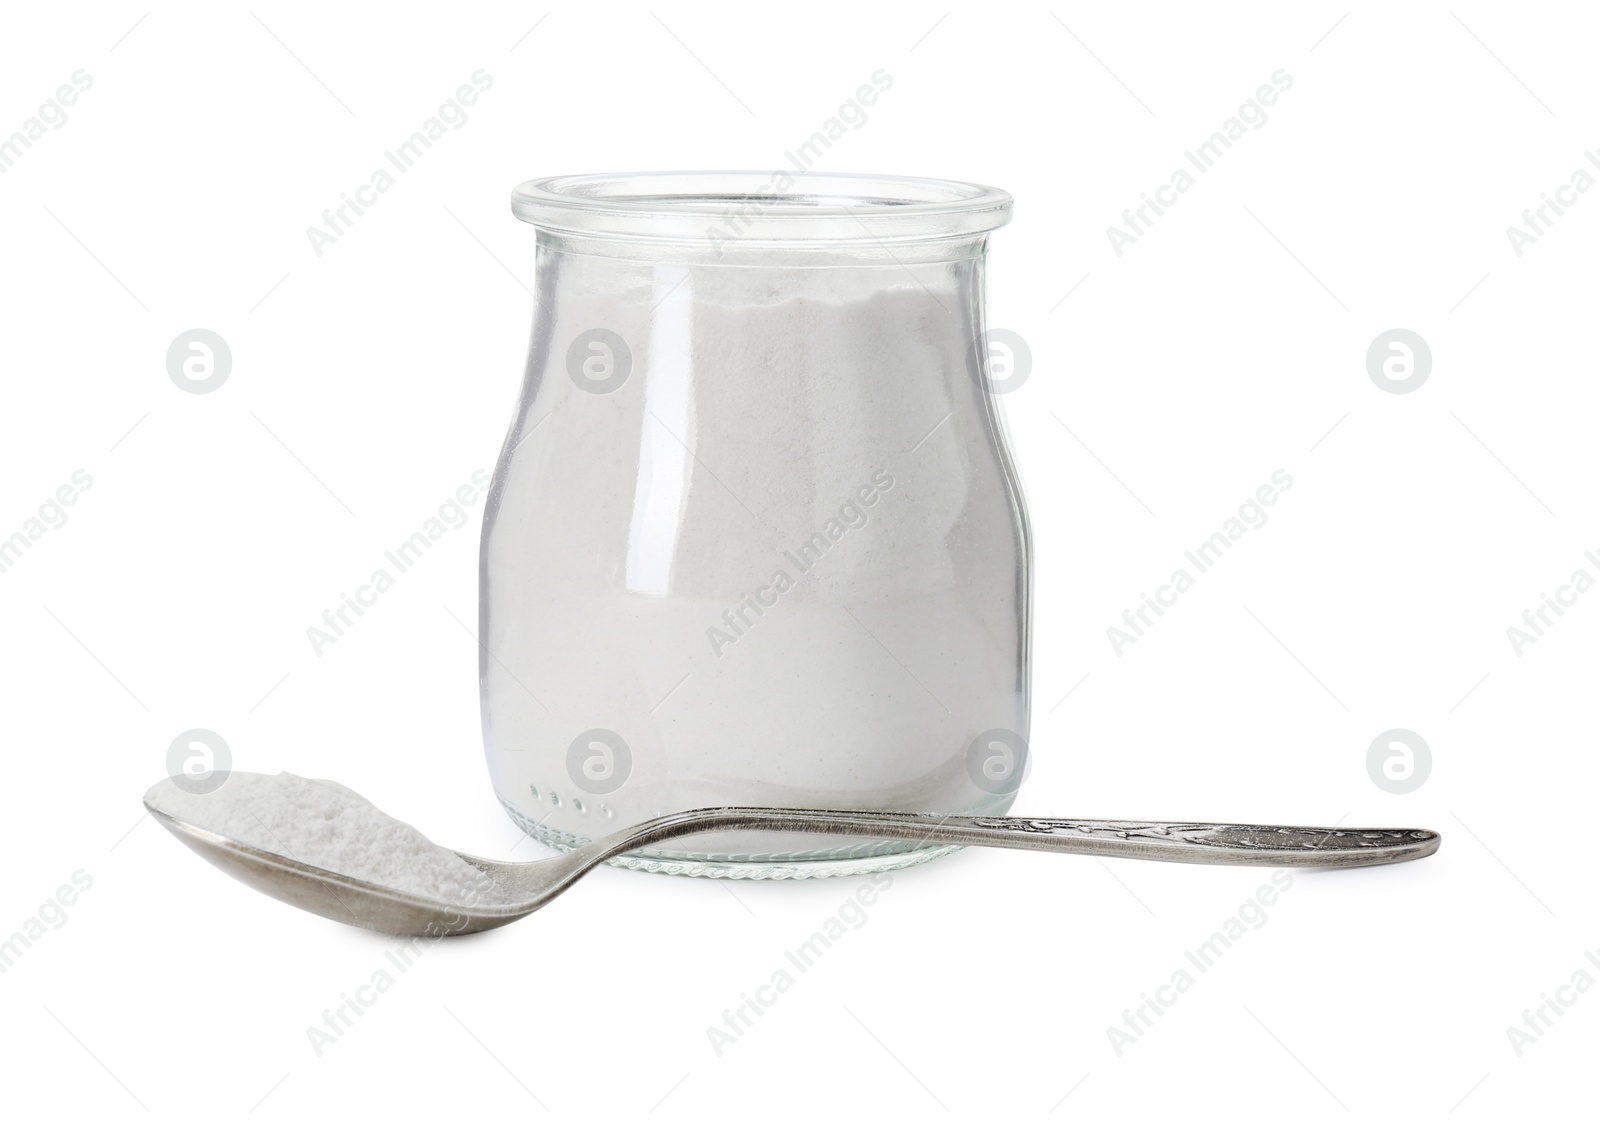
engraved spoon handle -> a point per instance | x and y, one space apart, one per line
1259 845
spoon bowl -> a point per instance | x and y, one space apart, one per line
338 896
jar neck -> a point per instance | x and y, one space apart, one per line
723 248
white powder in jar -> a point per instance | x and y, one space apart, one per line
782 563
323 824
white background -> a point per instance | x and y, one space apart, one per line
1229 342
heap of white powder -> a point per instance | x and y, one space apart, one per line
323 824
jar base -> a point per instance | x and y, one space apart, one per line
868 859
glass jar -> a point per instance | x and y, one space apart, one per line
755 536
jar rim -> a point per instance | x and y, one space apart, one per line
778 207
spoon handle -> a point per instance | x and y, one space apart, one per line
1258 845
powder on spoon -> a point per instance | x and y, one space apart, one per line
323 824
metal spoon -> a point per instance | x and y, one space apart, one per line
522 888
